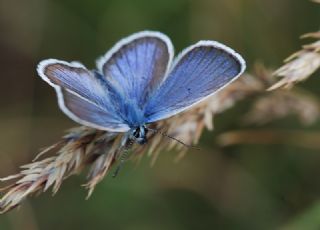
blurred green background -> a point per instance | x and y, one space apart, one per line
240 187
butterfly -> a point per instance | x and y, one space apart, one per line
139 82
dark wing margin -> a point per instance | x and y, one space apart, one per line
81 96
197 73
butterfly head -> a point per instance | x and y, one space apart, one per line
139 134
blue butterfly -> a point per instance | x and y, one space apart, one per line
138 82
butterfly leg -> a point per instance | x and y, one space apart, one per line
123 155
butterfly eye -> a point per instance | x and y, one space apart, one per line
136 133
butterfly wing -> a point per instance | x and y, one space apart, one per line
137 64
81 95
198 72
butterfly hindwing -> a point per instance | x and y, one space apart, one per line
198 72
81 95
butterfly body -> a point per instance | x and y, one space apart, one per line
139 134
138 82
131 114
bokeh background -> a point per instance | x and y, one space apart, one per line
240 187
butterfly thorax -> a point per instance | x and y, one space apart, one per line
139 134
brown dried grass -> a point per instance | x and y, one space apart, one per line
85 147
300 65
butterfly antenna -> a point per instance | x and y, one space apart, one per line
173 138
123 158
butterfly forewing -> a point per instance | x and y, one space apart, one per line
137 64
198 72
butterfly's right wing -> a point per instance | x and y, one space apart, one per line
81 95
197 73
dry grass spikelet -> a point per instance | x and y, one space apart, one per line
283 103
75 151
300 65
85 147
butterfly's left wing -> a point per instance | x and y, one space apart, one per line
197 73
82 95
